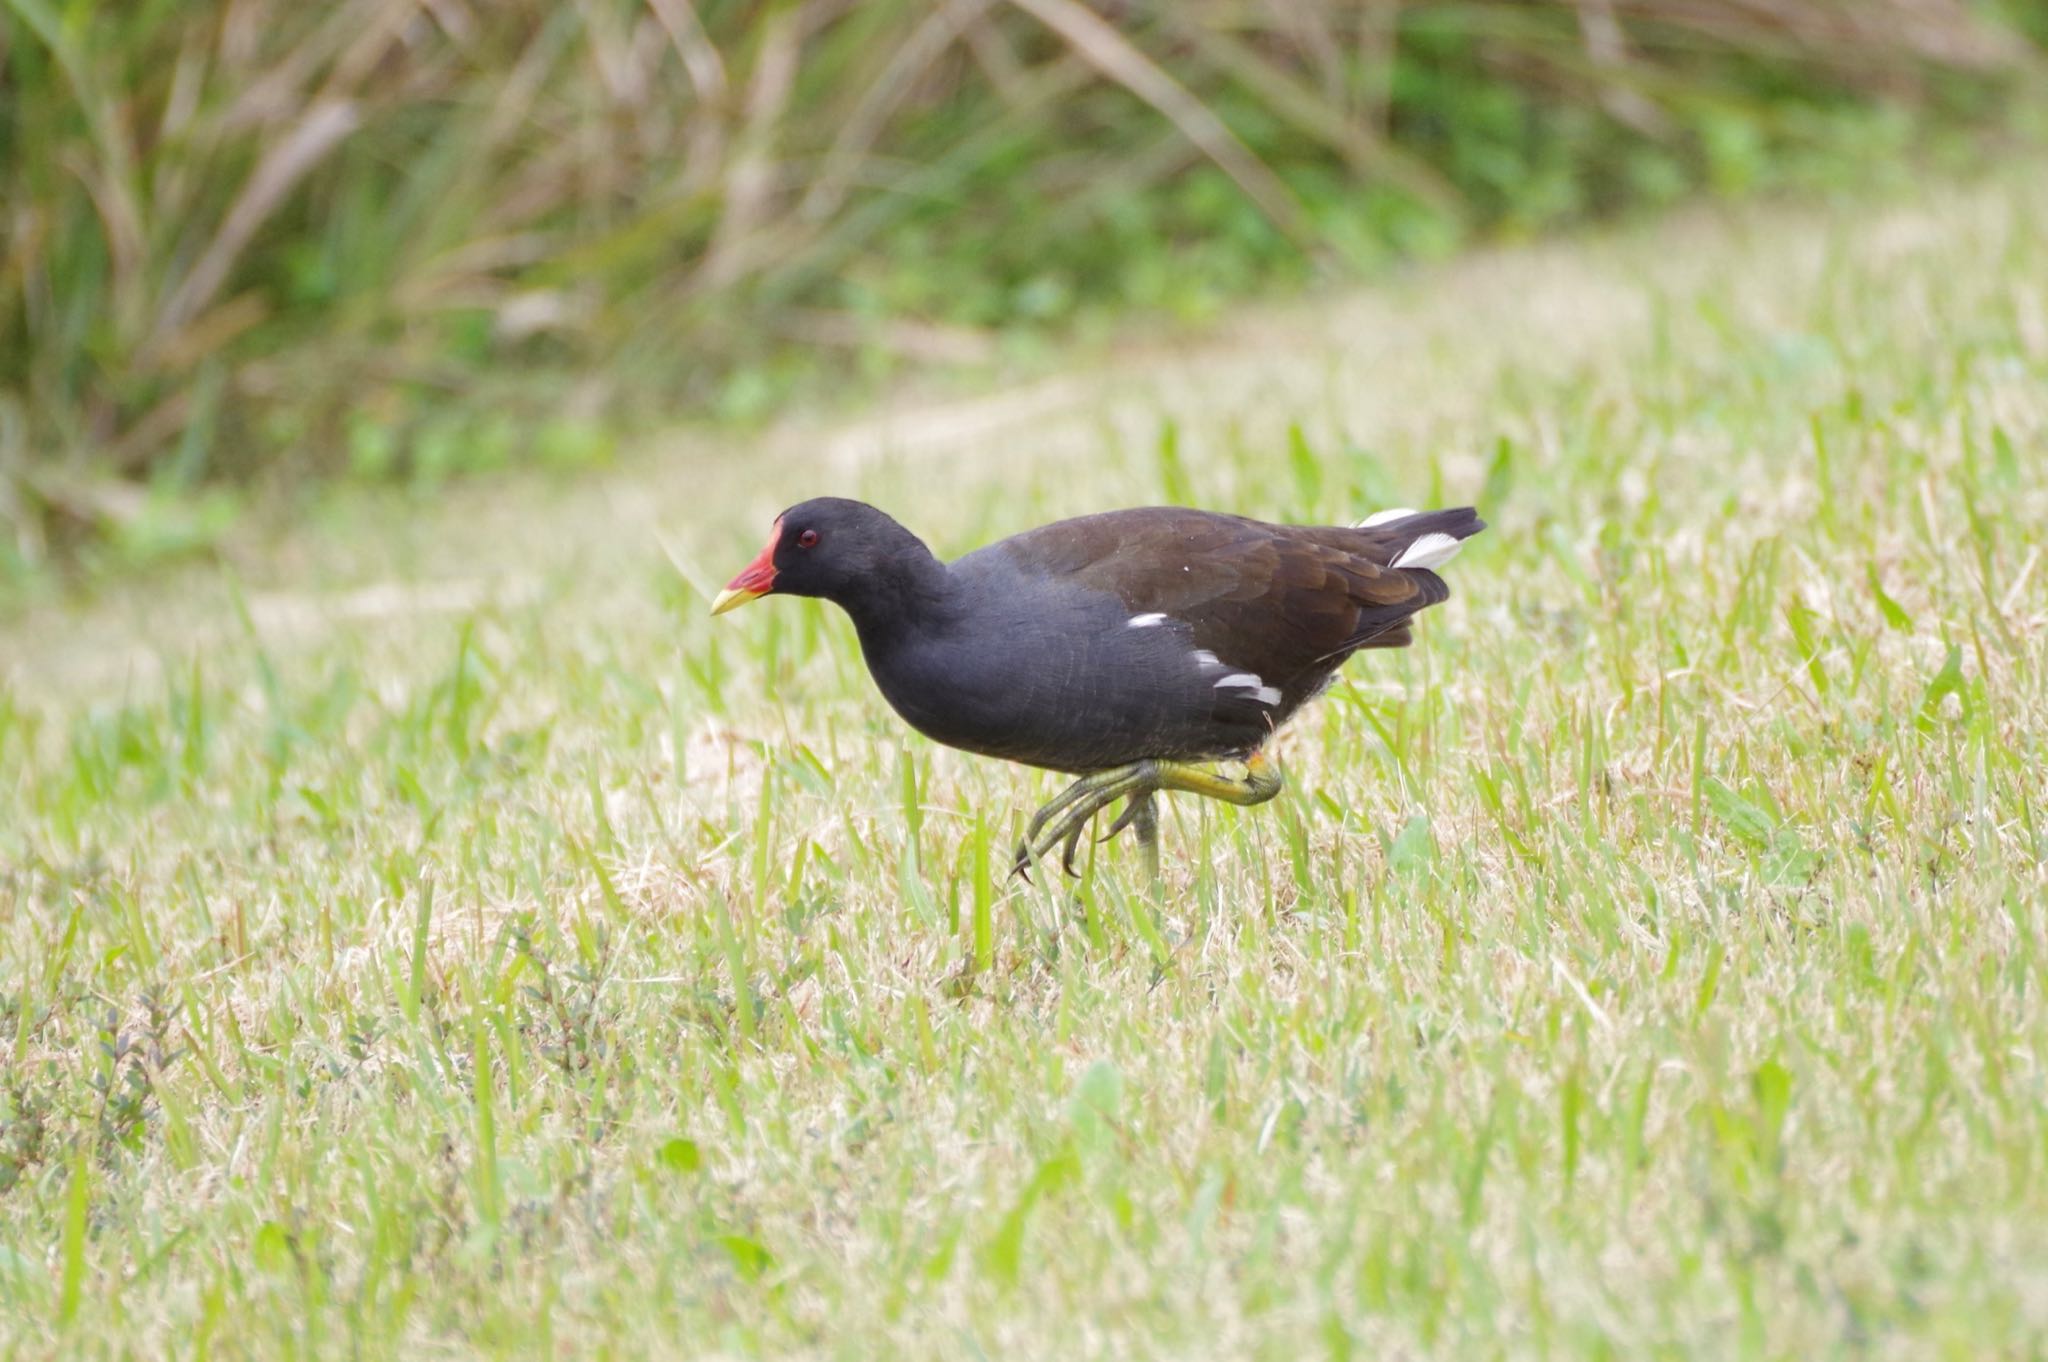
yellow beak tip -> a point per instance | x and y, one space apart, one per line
731 599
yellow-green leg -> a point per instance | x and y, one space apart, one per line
1062 822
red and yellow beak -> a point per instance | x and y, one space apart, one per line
755 580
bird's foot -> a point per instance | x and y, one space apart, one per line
1062 821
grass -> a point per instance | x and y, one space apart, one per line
435 936
251 242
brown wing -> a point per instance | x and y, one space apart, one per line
1285 602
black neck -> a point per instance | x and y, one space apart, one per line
908 592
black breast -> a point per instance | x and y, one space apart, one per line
1053 674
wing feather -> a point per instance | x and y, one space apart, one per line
1284 602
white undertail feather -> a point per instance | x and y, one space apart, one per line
1429 551
1383 517
1260 691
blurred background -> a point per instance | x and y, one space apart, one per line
251 247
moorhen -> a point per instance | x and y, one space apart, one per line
1136 649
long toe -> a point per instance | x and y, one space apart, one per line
1071 849
1062 822
1135 808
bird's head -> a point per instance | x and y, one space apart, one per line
829 547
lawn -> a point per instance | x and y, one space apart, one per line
427 933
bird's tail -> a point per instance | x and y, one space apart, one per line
1403 538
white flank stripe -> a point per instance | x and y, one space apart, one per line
1430 551
1205 658
1268 696
1382 517
1144 621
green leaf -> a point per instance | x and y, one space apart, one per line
1093 1110
1571 1102
940 1263
1771 1085
681 1155
1413 849
1894 614
2005 459
1003 1254
1948 681
1173 478
1782 856
272 1247
1790 860
1748 821
1308 474
750 1257
1500 477
1810 647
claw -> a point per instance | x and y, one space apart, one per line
1073 846
1126 818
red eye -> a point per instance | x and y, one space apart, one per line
807 540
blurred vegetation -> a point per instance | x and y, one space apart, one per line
260 238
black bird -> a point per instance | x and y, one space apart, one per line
1136 649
